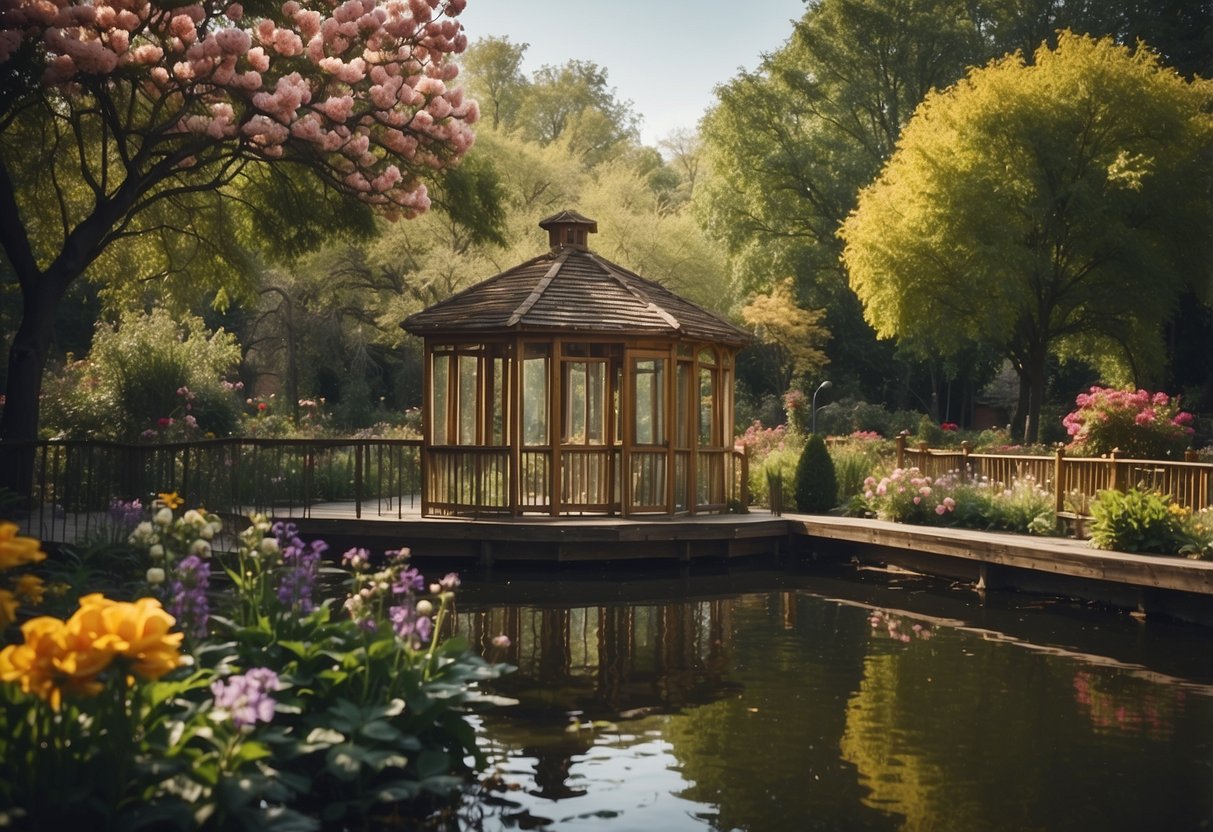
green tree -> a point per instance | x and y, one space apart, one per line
574 103
1054 206
816 481
788 147
117 135
494 67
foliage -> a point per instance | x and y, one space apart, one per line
283 714
1138 520
153 375
796 333
1137 423
854 462
847 416
1056 188
816 485
772 453
909 496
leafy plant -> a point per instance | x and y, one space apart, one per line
1138 520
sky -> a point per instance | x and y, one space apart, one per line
665 56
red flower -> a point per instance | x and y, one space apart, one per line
262 406
949 426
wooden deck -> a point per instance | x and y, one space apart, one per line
1144 584
1175 586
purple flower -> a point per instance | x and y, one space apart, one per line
187 601
407 623
408 581
247 697
356 559
125 515
450 582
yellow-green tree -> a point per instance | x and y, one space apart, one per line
795 334
1044 208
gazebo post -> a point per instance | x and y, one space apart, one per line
555 423
427 431
513 426
671 416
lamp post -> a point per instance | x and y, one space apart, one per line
813 417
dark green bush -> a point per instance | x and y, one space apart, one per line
816 485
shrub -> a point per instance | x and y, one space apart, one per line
150 375
780 463
1138 520
816 486
1139 424
854 462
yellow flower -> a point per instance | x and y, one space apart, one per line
15 549
34 664
8 608
170 499
139 632
62 658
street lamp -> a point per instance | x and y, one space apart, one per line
813 418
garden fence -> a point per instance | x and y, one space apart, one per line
1073 481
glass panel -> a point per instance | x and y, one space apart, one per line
535 395
649 383
439 381
682 406
499 404
595 412
574 397
468 399
707 357
707 398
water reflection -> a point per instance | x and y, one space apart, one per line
832 704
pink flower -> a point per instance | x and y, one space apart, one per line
941 509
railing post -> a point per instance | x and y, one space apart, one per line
1113 479
901 449
358 480
1190 455
965 449
1059 497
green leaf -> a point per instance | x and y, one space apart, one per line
344 761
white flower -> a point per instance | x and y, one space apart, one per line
207 532
142 531
424 607
269 546
163 517
193 518
155 575
156 552
200 548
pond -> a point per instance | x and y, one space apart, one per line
862 699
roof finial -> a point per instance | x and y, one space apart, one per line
568 228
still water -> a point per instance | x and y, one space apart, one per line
866 700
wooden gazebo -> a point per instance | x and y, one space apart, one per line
571 385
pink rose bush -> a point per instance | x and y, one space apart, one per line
1138 424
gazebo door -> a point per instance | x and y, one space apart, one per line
646 438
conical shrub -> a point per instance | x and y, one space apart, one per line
816 484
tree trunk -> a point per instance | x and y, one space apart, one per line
1020 417
1035 372
26 363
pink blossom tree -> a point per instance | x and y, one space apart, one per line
113 111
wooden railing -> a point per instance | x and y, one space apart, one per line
1073 481
76 483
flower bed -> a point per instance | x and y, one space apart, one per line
259 706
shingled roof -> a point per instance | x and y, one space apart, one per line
572 289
